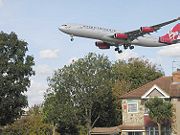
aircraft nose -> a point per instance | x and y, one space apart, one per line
62 28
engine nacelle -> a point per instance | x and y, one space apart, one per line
147 29
165 40
102 45
121 36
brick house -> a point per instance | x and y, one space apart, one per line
136 120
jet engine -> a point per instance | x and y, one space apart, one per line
121 36
165 40
147 29
102 45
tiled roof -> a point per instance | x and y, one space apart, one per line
105 130
165 83
127 127
114 130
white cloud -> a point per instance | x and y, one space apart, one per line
49 53
43 70
36 92
125 55
173 51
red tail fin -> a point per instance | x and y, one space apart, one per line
172 37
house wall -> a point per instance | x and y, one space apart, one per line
176 117
133 119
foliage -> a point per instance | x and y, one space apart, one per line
15 71
81 93
159 110
133 73
121 87
31 124
87 91
59 110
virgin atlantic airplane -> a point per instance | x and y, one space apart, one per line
111 37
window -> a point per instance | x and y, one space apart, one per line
154 131
132 106
134 133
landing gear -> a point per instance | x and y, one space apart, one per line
72 38
125 47
131 47
117 49
120 51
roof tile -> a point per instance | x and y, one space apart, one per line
165 83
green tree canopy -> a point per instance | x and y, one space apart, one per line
15 71
159 111
30 124
81 92
133 73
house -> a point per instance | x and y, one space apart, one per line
136 120
105 131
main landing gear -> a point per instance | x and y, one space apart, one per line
125 47
117 49
130 47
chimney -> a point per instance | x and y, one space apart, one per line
176 76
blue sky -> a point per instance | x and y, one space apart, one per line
37 22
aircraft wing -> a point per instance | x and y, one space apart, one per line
147 30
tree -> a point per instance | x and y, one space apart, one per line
60 112
30 124
134 72
80 92
15 71
159 111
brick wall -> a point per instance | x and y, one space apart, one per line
133 119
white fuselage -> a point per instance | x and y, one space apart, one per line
106 35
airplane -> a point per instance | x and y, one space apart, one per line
111 37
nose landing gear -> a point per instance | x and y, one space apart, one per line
72 38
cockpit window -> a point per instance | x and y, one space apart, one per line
64 25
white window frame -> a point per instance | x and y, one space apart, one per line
132 102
